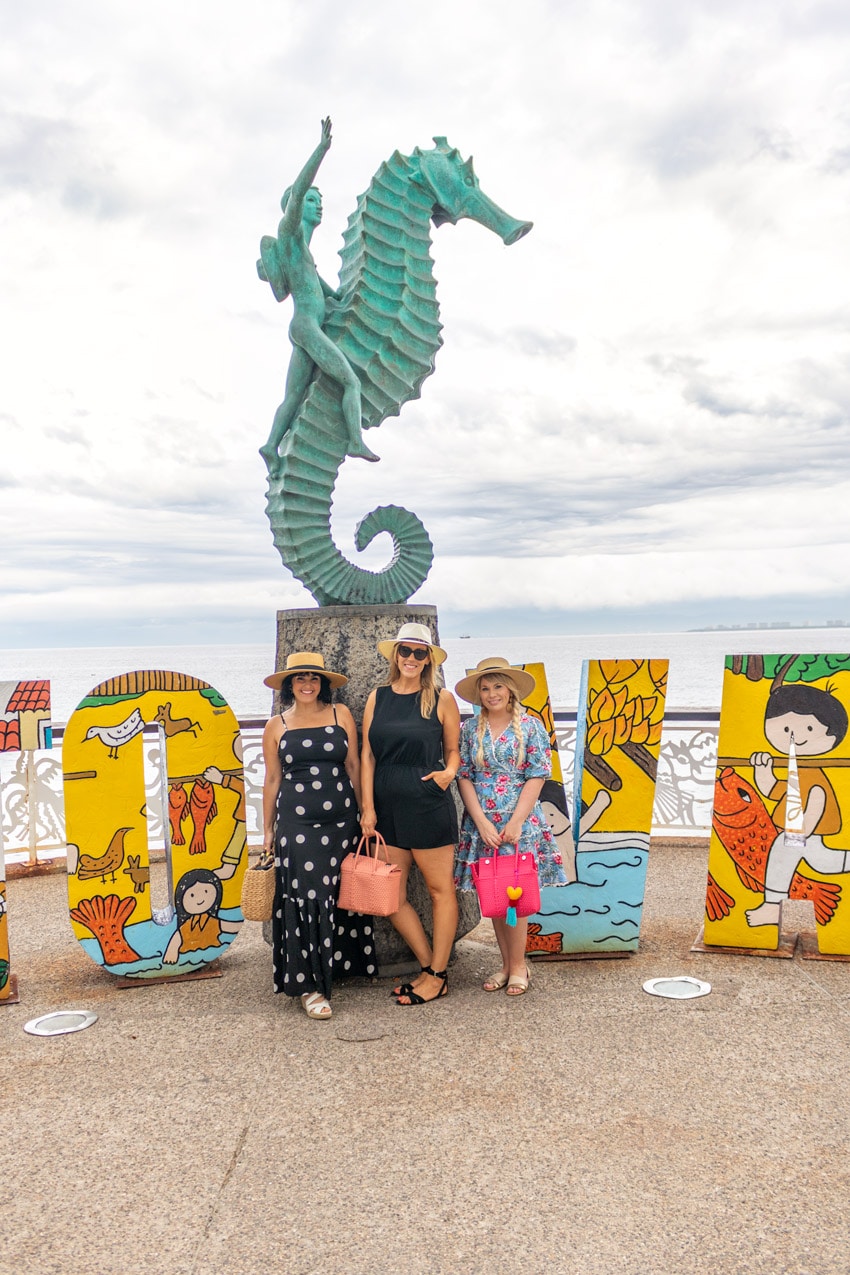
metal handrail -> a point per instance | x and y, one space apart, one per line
32 802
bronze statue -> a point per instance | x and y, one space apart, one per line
358 354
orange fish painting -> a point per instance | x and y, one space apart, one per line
178 809
746 831
202 809
537 941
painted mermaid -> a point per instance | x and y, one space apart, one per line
287 264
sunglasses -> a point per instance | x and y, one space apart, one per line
418 652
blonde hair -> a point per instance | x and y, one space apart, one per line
429 685
515 707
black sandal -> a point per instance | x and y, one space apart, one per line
413 998
406 989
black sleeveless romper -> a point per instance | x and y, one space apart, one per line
412 814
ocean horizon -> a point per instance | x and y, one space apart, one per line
237 670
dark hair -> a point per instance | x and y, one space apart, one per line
287 695
808 701
553 792
196 876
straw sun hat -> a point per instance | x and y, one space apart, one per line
304 662
493 666
419 633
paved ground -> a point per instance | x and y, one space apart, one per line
586 1127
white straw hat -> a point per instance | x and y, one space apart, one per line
304 662
492 666
419 633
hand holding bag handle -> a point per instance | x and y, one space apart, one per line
507 887
368 883
258 886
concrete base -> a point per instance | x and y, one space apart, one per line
347 637
809 950
213 970
783 952
11 997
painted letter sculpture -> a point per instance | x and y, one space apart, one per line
358 354
781 801
109 871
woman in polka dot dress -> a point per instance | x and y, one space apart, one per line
311 794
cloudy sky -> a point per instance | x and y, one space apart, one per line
640 417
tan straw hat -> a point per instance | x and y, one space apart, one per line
492 666
304 662
419 633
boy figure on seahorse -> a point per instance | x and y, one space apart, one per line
287 264
818 722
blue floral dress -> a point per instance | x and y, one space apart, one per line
498 785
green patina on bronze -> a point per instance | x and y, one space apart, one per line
383 325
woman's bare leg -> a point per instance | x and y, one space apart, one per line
512 940
406 919
437 868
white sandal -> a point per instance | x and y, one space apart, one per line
316 1005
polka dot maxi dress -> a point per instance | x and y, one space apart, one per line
313 940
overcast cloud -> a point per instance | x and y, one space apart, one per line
640 417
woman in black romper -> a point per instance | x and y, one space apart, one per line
310 798
410 757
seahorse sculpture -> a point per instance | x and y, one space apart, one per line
387 326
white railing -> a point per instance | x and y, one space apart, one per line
32 812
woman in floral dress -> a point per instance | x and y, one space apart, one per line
504 762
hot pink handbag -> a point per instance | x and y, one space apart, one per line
507 885
369 884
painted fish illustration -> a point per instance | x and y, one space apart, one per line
746 831
718 902
539 942
202 809
178 809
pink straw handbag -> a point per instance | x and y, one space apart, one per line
507 885
369 884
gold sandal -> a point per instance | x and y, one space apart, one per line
519 986
495 982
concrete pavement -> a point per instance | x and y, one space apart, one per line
586 1127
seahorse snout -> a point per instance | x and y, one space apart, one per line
520 228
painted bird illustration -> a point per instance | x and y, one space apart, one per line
114 736
746 831
103 865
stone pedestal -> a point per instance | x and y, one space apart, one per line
347 637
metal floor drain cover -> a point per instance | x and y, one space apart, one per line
60 1022
680 988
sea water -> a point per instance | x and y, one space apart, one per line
695 679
